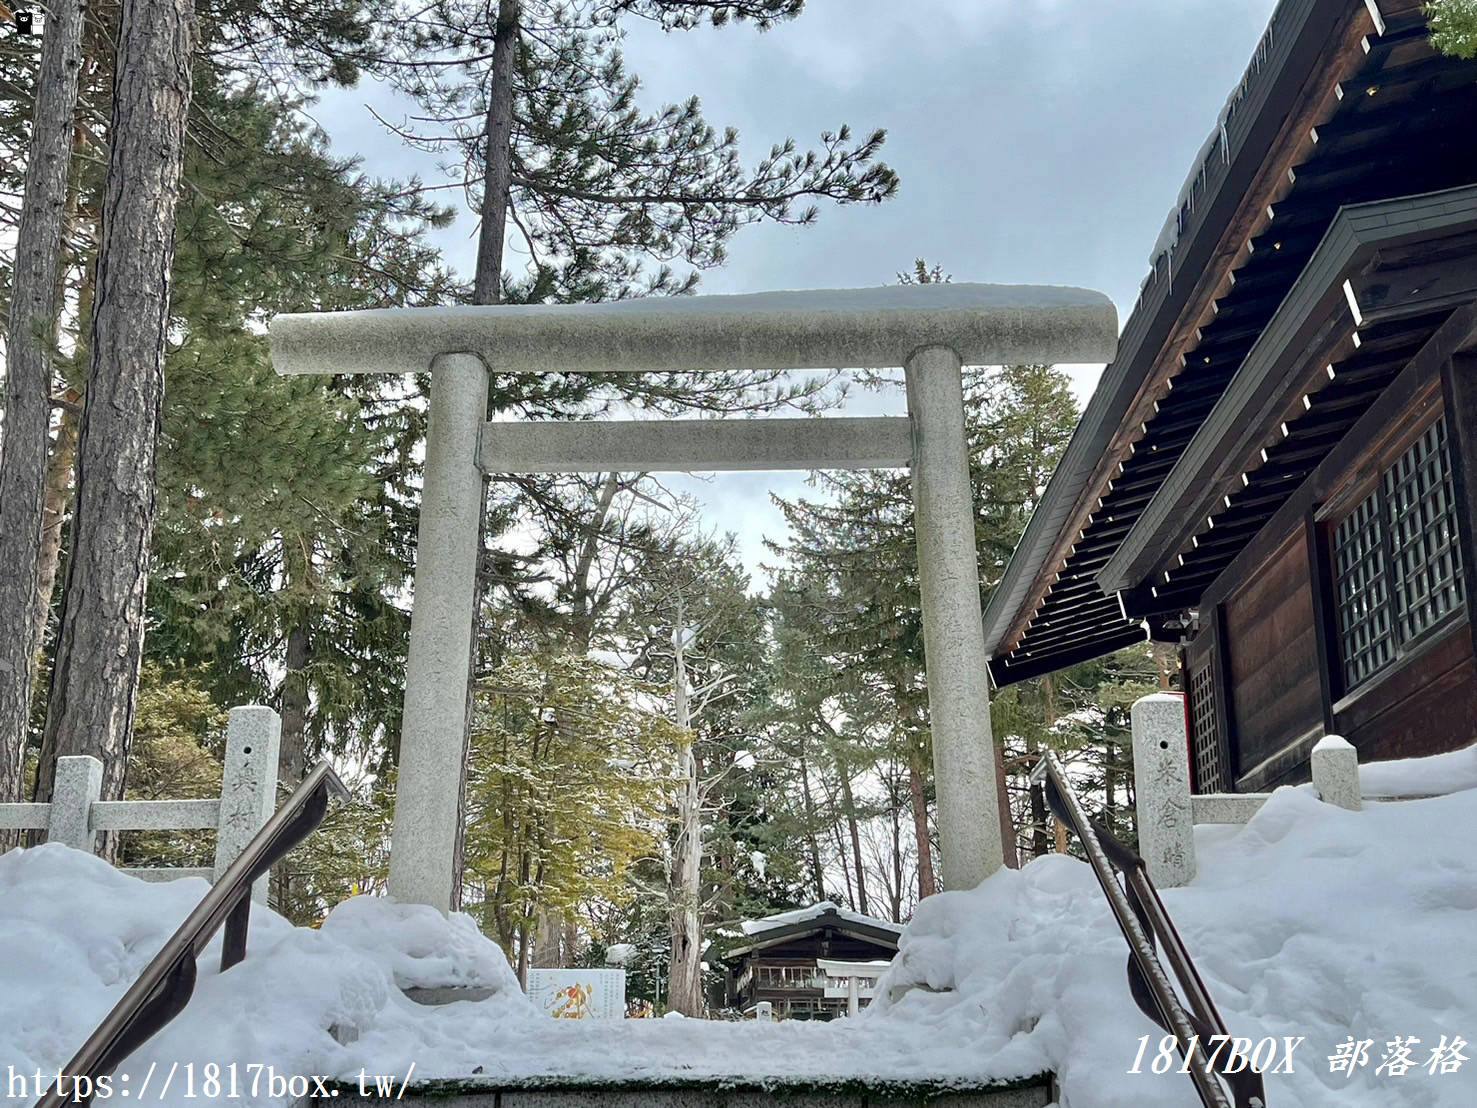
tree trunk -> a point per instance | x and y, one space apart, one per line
685 990
292 760
582 600
487 289
1039 843
63 458
927 884
292 756
30 345
94 683
685 986
497 157
895 893
523 954
840 846
848 802
548 929
818 875
1039 815
546 935
1002 798
58 499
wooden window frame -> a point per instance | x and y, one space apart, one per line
1366 480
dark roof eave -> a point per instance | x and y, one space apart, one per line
828 921
1249 136
1262 388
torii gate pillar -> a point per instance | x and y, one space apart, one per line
428 794
953 628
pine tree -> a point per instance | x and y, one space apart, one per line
533 98
94 681
692 629
536 103
266 219
30 342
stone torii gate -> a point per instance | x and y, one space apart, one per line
931 330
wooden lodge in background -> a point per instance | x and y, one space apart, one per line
1279 471
803 962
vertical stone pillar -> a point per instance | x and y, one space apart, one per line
432 737
1336 773
1161 784
77 786
970 818
248 786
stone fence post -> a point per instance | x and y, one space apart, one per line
1336 772
248 786
1161 782
76 787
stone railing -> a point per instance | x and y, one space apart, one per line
1168 812
248 797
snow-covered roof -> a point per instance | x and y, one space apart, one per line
815 912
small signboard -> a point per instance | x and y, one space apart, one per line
579 994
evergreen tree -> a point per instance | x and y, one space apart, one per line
266 220
177 754
692 629
94 681
30 342
533 99
856 556
1454 26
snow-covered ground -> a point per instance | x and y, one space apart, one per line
1310 921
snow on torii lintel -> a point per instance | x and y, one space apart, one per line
984 324
815 912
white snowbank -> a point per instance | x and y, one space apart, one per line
1309 921
74 933
1440 773
418 945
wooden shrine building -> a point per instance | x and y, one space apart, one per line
799 961
1279 470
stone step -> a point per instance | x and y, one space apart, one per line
476 1092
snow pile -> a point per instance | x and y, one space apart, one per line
1310 921
1440 773
84 932
419 946
618 954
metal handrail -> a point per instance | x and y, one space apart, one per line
167 982
1142 918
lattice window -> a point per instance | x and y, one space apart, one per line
1363 599
1423 539
1205 743
1397 559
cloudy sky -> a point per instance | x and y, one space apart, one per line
1037 141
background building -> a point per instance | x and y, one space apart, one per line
782 961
